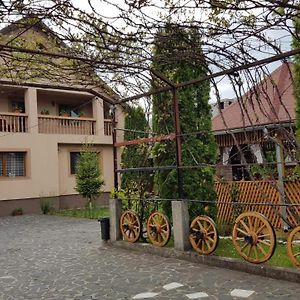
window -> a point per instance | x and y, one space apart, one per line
106 111
74 157
12 164
67 110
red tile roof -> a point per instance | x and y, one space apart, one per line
271 101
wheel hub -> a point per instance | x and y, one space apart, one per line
251 239
199 235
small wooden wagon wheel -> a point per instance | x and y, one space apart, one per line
204 236
293 246
253 237
130 226
158 229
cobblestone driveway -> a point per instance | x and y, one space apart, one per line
46 257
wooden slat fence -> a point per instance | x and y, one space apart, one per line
258 195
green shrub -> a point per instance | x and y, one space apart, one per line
46 206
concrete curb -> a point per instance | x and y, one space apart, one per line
216 261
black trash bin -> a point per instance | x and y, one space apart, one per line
104 224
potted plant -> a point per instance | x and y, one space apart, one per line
17 108
81 114
63 113
17 211
44 111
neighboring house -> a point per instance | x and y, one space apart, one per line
218 107
41 134
267 107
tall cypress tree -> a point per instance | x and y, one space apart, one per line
178 56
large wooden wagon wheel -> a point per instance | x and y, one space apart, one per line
204 236
293 246
158 229
253 237
130 226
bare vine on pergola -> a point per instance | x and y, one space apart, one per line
115 39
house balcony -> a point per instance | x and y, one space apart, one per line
66 125
53 112
13 122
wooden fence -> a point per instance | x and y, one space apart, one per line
235 197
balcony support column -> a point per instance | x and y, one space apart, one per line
98 115
30 99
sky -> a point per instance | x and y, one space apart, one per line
224 86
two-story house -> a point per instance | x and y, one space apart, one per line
42 129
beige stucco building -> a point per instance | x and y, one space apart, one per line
39 145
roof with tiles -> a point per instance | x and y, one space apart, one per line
272 101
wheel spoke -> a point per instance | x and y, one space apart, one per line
202 247
249 251
250 223
210 239
242 231
296 254
260 229
267 243
261 249
255 253
200 225
207 244
263 235
210 226
210 233
245 226
244 246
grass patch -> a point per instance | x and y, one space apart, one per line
279 259
95 213
226 249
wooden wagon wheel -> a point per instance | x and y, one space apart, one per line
293 246
158 229
253 237
130 226
204 236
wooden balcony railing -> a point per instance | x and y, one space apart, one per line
13 122
66 125
107 127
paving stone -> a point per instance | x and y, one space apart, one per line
241 293
198 295
146 295
172 285
59 258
